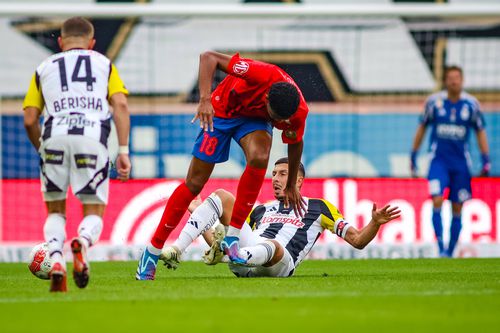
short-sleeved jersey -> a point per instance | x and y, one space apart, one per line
243 93
72 88
450 126
297 235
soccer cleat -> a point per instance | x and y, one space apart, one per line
230 246
58 278
81 269
214 255
147 266
171 257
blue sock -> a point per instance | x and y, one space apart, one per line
456 227
438 228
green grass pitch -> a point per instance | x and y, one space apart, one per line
424 295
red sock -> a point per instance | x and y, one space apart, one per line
248 190
176 207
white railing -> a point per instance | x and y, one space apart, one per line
246 10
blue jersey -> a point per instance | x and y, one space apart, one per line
451 124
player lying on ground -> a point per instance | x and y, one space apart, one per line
279 240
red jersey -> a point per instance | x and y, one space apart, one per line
244 93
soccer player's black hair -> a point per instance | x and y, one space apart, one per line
284 160
284 99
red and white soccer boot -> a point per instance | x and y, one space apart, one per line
81 270
58 278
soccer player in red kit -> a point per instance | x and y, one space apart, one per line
254 97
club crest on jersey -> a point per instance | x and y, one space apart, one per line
465 113
241 67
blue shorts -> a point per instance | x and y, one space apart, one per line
213 147
457 179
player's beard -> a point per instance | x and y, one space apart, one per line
279 194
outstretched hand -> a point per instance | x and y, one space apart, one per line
205 113
294 199
123 167
385 214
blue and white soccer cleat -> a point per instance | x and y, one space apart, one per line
230 245
147 266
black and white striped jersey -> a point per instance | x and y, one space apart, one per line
72 88
297 235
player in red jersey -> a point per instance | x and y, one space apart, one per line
253 98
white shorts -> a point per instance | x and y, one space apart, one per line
78 161
284 268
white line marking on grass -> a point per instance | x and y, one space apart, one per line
323 294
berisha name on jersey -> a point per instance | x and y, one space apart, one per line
82 102
297 235
72 88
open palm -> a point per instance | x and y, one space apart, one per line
385 214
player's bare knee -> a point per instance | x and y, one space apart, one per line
456 208
258 158
56 207
93 209
278 254
227 199
195 185
56 210
225 196
437 201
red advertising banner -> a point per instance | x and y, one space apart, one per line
135 207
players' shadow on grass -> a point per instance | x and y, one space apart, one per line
232 277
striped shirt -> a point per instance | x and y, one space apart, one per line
73 88
297 235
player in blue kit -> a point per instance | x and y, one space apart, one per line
451 114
